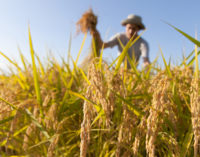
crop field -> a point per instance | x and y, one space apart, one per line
58 110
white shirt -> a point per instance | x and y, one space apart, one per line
139 48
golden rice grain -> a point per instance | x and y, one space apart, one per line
159 101
195 111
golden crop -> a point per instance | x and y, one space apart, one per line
58 110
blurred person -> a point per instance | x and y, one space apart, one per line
133 24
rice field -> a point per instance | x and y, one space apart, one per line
58 110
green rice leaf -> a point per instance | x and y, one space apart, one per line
196 61
7 119
23 86
35 74
166 66
101 57
11 105
133 42
3 143
125 51
133 108
27 112
147 74
20 130
35 121
186 35
79 53
100 114
187 142
120 42
185 59
191 62
23 59
40 143
122 55
40 65
94 48
84 98
13 63
85 77
113 62
133 66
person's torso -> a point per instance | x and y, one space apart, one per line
134 51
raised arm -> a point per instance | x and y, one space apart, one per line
96 35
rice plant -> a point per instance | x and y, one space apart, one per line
108 110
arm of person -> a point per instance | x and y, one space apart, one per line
146 61
145 53
105 45
112 42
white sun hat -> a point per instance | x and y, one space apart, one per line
133 19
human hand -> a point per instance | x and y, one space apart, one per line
146 64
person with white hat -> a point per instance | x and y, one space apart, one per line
133 24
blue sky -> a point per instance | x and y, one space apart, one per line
52 21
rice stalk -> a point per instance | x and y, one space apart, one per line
56 138
159 102
195 111
140 132
88 111
51 119
31 131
